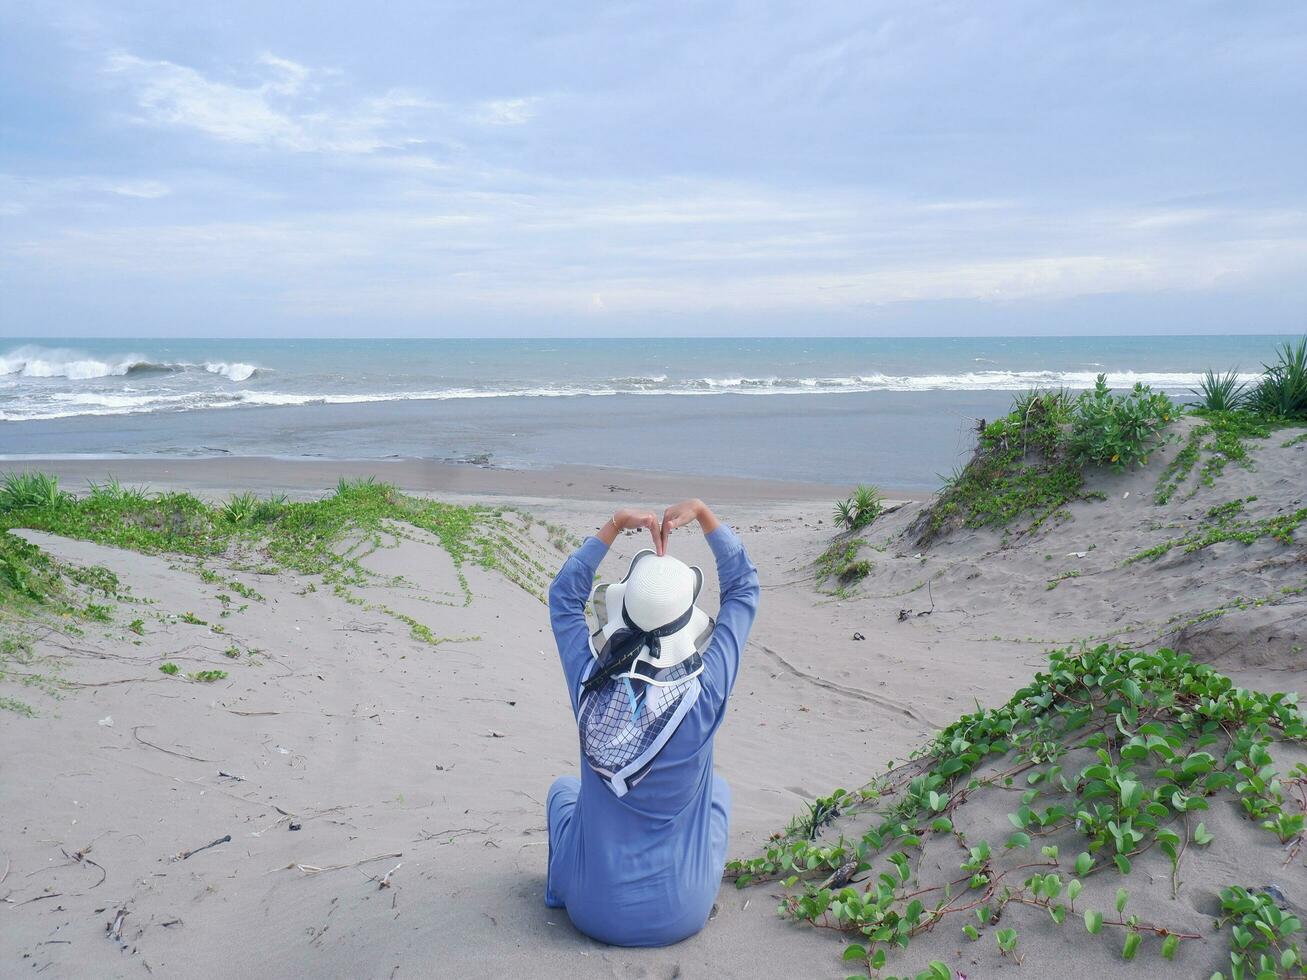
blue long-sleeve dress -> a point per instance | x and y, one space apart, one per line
643 869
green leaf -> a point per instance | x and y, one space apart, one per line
941 825
1169 946
1083 863
1019 839
970 932
1093 921
855 951
878 960
1201 836
1122 863
1131 792
1073 888
1122 896
1132 941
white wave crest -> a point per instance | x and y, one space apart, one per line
57 362
21 403
232 372
30 361
1172 381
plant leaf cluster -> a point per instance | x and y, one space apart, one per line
1107 754
841 563
1227 522
856 512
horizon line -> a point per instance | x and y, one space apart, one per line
635 337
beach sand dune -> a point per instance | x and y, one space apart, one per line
374 801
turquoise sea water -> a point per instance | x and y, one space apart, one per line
893 411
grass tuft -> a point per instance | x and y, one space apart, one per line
20 491
859 510
1221 392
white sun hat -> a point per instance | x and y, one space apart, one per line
657 592
644 677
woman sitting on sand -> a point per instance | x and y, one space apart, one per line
637 844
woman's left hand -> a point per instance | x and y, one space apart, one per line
686 512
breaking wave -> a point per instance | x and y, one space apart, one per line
42 362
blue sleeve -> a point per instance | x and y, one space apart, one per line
568 594
738 579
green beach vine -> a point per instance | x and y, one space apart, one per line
1108 754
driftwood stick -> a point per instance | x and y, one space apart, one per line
221 840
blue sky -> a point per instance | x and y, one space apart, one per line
484 168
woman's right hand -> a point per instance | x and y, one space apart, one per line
628 519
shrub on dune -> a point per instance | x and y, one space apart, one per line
1282 392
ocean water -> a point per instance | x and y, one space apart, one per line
893 411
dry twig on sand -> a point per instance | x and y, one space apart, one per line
39 898
180 755
79 857
384 880
313 869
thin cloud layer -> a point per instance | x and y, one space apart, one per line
465 170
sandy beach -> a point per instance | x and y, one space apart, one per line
960 348
353 801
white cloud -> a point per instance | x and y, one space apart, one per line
283 110
148 189
506 112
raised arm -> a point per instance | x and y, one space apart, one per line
571 587
738 580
